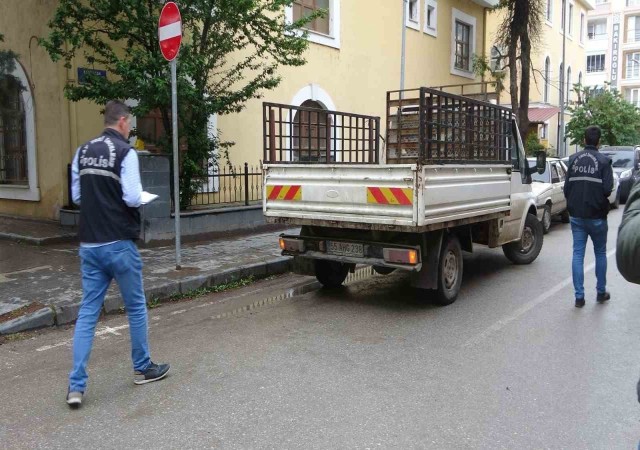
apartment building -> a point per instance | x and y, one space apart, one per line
353 59
553 78
613 47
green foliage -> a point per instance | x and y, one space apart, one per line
230 53
482 67
532 144
618 119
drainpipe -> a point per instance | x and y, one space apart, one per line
404 45
561 143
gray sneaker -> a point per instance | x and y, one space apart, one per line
74 398
154 372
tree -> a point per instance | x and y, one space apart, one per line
231 52
532 144
519 30
618 119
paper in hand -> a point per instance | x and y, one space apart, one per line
148 197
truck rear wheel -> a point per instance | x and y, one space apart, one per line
331 274
527 249
449 271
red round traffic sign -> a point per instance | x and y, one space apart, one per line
170 31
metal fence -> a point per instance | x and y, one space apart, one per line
239 185
295 134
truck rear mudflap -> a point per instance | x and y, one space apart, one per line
396 256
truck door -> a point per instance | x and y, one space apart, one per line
520 189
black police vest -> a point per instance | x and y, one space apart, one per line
104 216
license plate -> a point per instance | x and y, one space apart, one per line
345 249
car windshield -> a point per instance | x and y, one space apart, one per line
535 176
622 159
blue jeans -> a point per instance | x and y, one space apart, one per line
597 230
99 266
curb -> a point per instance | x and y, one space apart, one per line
44 317
59 239
66 314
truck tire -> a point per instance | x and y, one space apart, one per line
450 270
546 219
527 249
331 274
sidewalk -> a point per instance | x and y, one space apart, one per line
40 284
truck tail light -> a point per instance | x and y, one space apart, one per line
400 256
292 245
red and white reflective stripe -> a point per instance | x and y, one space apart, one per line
170 31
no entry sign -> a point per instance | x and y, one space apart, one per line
170 31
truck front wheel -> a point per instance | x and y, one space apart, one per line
331 274
527 249
449 271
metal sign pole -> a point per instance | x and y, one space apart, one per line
176 158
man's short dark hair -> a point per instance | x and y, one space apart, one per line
113 111
592 135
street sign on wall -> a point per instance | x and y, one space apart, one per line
615 47
170 31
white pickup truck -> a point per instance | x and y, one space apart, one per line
454 174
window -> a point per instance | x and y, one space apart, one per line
18 169
633 65
544 131
633 97
309 134
569 86
595 63
323 31
631 2
463 43
602 2
304 8
13 139
562 18
580 79
547 79
549 11
633 29
597 29
570 25
431 17
555 178
582 28
413 14
497 57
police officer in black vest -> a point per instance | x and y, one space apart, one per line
587 188
106 184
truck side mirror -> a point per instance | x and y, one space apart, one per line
541 161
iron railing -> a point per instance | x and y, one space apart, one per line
295 134
238 185
433 127
13 169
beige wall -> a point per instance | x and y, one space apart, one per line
357 76
59 125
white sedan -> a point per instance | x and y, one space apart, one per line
548 187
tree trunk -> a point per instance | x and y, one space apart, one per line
525 83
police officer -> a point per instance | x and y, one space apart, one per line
587 188
106 184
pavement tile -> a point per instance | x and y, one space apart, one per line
50 275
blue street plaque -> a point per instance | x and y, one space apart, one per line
83 72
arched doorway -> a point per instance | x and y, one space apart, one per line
311 134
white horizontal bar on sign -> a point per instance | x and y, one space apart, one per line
170 31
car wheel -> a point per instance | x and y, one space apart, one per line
449 271
527 249
546 219
565 217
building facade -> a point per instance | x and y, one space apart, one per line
354 57
613 47
552 78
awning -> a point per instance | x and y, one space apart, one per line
541 115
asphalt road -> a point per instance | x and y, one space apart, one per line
512 364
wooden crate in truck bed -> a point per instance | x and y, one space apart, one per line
428 126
